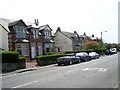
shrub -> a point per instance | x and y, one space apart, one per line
21 62
9 57
21 59
48 59
92 45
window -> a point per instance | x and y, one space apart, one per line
36 33
47 49
20 32
22 49
47 34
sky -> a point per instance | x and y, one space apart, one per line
89 16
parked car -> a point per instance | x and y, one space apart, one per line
83 56
94 55
108 52
68 60
113 50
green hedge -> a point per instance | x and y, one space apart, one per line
21 59
100 51
89 50
48 59
9 57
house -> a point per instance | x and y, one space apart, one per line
85 39
4 35
25 39
36 40
66 41
46 31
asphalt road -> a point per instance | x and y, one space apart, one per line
98 73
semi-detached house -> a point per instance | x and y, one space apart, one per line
25 39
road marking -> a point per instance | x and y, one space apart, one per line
14 74
24 84
95 69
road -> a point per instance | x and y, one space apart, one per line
98 73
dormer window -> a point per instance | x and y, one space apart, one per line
35 33
20 32
47 34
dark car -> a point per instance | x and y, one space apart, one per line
94 55
83 56
108 52
68 60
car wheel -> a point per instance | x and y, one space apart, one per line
85 59
70 62
79 61
59 64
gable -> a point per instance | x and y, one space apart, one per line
60 34
18 23
48 28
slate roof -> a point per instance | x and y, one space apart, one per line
5 22
43 27
69 34
15 22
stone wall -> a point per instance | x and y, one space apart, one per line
8 67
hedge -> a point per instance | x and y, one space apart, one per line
9 57
47 59
100 51
21 59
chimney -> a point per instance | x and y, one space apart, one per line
58 29
92 35
36 22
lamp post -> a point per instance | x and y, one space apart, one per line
101 34
101 38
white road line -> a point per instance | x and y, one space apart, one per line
15 74
24 84
95 69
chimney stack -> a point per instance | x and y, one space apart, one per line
36 22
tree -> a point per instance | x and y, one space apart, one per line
92 45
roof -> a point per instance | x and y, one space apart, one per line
31 25
15 22
4 27
5 22
21 41
44 26
69 34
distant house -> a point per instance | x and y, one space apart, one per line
66 41
85 39
25 39
46 31
3 35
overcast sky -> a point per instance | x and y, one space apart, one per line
90 16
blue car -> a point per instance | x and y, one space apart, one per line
83 56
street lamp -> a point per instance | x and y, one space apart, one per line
101 34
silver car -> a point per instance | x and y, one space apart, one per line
94 55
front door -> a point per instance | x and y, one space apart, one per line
33 52
39 50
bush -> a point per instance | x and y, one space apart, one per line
89 50
100 51
48 59
21 59
21 62
9 57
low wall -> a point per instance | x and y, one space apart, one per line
7 67
45 62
